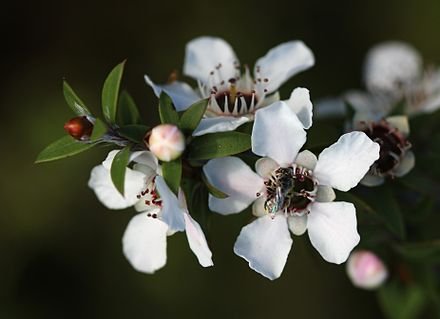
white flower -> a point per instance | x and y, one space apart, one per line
366 270
234 97
291 190
161 212
166 142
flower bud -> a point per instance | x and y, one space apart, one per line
79 128
366 270
166 141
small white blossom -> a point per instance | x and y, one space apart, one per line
291 190
366 270
166 142
161 213
234 97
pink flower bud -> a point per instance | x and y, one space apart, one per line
79 128
366 270
166 141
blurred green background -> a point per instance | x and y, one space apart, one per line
61 249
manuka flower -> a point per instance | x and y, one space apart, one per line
161 213
234 97
291 190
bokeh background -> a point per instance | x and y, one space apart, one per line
60 249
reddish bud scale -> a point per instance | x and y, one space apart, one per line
79 128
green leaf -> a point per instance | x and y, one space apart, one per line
199 208
419 182
420 252
64 147
167 112
221 144
99 129
191 117
172 173
110 93
401 302
119 165
212 189
75 103
134 133
128 113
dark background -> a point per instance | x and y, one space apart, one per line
60 249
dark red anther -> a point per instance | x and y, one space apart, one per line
79 128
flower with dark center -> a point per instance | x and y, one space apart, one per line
234 96
291 190
161 213
395 157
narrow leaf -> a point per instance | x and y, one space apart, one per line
172 173
218 145
99 129
421 252
212 189
64 147
134 133
110 93
191 117
128 113
75 103
167 112
117 171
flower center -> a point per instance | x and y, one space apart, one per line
290 190
393 146
150 198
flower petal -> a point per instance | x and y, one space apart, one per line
101 182
145 243
205 54
197 241
265 166
325 194
180 93
219 124
400 122
145 158
171 212
297 224
407 163
265 244
300 103
372 180
277 133
282 62
343 164
258 207
332 230
233 177
306 159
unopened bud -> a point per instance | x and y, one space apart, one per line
166 141
366 270
79 127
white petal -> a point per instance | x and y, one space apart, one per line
145 243
180 93
265 166
369 107
204 54
306 159
332 230
258 207
219 124
300 103
329 107
145 158
107 163
277 133
407 164
400 122
343 164
171 212
100 181
265 244
372 180
297 224
197 241
282 62
325 194
233 177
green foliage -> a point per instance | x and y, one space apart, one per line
172 173
128 113
75 103
110 93
99 129
134 133
190 119
420 252
119 166
167 112
62 148
221 144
